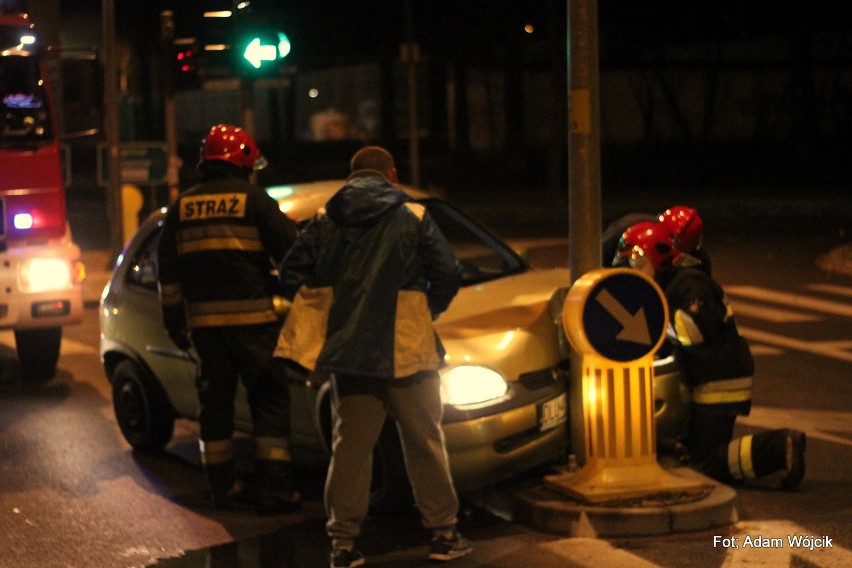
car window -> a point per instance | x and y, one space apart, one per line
482 255
142 270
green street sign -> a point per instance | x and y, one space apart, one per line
143 163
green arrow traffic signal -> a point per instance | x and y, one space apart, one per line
257 53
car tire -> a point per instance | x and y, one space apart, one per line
390 492
143 412
38 352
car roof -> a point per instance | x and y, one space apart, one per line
301 200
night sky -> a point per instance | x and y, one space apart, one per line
322 30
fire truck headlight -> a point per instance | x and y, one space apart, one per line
23 221
43 274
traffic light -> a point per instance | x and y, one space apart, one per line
259 43
185 57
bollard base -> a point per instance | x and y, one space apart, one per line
600 482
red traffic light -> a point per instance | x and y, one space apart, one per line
187 58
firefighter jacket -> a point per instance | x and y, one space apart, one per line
366 277
715 360
220 243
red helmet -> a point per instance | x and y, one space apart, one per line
234 145
647 246
685 226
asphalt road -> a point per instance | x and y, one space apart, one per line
72 494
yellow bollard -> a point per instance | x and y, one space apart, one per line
616 319
131 205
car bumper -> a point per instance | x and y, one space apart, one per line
491 444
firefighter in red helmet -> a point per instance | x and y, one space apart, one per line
716 364
686 228
220 242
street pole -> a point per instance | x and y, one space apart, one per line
113 189
584 176
247 105
167 38
413 53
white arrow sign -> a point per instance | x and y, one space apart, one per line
634 326
256 53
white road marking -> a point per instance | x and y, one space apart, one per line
831 289
759 350
775 544
833 349
771 314
796 300
67 347
592 553
820 424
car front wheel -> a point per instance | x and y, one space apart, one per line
142 410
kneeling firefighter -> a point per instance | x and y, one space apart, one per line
716 364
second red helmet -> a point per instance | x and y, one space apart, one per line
685 226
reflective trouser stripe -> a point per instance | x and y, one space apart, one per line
739 458
217 313
271 449
723 391
216 451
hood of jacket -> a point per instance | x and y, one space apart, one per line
363 200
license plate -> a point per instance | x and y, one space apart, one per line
553 412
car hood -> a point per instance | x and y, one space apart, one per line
506 324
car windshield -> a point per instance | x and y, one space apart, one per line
482 255
25 117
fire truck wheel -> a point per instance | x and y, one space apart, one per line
142 409
38 352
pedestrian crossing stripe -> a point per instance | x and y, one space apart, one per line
799 301
750 301
833 349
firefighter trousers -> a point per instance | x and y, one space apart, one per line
241 353
713 448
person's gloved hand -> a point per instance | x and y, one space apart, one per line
181 339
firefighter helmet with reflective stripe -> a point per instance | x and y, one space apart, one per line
685 225
647 246
232 144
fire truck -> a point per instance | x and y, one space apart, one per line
40 269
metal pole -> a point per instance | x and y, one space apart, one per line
413 52
167 38
584 176
247 106
114 208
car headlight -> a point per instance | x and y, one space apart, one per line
44 274
471 384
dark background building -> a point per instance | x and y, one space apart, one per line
693 94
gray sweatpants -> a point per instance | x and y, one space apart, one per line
359 412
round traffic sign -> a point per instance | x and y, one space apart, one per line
618 314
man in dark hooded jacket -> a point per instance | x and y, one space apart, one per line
367 276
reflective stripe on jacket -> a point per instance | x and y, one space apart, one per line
220 242
714 359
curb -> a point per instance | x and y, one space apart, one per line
534 504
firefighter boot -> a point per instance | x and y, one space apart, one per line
274 492
225 489
795 469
